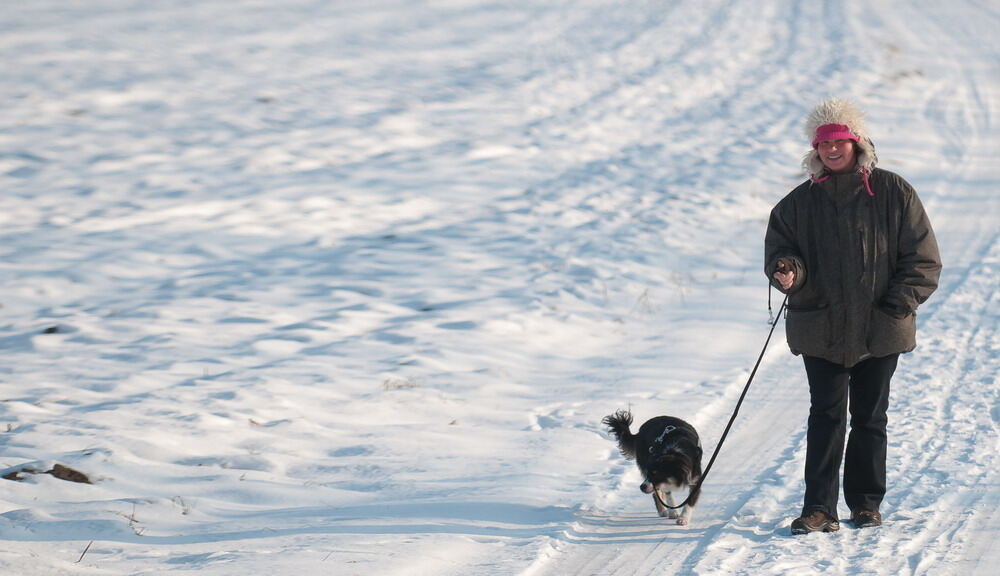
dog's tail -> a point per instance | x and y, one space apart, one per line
618 424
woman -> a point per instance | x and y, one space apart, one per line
853 249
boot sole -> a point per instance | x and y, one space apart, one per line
828 528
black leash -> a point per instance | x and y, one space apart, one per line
774 323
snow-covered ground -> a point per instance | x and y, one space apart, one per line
313 287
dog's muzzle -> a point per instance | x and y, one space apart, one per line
646 487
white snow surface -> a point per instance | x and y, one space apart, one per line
313 287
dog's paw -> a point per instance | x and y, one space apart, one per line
682 521
667 514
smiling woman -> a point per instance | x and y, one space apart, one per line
856 263
837 155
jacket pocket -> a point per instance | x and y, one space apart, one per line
808 330
890 335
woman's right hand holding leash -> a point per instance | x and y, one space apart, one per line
784 274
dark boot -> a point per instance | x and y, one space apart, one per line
866 518
815 521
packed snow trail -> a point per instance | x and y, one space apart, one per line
943 430
347 287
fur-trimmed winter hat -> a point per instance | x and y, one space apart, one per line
836 119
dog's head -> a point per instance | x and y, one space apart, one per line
670 468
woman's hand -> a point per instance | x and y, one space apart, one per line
784 275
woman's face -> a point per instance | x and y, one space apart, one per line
837 155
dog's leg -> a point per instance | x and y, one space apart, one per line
689 508
661 510
685 516
669 501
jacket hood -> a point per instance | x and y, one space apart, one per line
837 111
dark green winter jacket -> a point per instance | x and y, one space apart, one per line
863 264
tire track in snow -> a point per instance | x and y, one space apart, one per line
947 450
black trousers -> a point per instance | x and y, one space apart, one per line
864 388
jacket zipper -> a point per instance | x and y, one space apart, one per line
868 260
864 254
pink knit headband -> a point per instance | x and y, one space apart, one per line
833 132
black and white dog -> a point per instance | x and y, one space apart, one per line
667 452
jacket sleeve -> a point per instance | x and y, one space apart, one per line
918 262
780 243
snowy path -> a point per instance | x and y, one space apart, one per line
944 443
346 288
